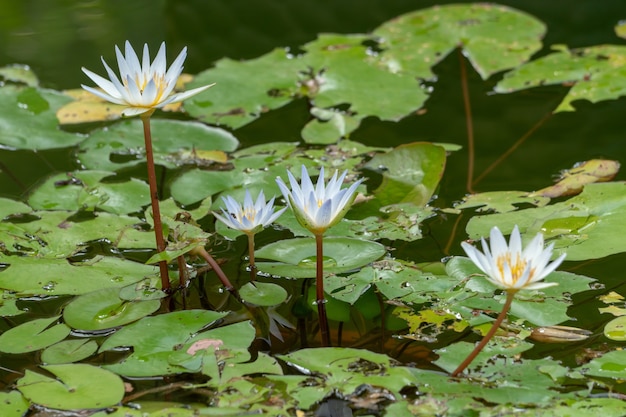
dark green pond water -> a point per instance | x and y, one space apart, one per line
57 38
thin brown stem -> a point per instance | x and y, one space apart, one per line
319 289
494 328
154 200
469 124
251 257
512 149
218 270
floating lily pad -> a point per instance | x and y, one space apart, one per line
52 235
12 207
270 83
122 145
263 293
597 73
493 37
411 173
155 339
609 365
28 119
68 351
616 329
77 386
13 404
33 335
296 257
500 201
104 309
587 226
146 289
24 275
196 184
83 190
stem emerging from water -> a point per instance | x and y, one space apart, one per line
319 288
496 325
469 123
154 199
200 251
251 257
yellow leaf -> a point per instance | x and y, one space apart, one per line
573 180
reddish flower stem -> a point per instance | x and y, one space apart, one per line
218 270
319 287
154 200
494 328
251 257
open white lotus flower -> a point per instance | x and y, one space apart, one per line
142 86
512 267
321 206
251 217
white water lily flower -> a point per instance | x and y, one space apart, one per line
321 206
251 217
142 86
509 266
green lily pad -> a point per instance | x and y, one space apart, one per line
52 235
609 365
616 329
77 386
263 293
270 83
24 275
122 145
12 207
19 74
587 226
33 335
196 184
500 201
13 404
597 73
295 258
83 190
104 309
28 119
328 126
493 38
410 173
155 339
68 351
334 59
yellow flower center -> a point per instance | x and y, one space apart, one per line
517 266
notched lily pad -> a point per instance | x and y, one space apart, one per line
104 309
33 335
296 258
76 386
122 145
263 293
68 351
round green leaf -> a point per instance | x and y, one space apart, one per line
83 190
28 119
68 351
616 329
77 386
13 404
24 275
122 145
104 309
33 335
493 37
295 258
263 293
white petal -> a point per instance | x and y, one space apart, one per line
307 184
134 67
159 65
176 68
283 189
134 111
178 97
103 83
105 96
